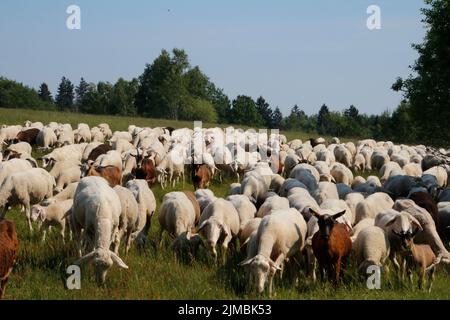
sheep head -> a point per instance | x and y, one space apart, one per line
103 259
260 267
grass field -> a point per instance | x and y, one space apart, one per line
19 116
160 274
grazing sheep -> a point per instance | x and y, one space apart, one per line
73 151
66 177
371 248
25 188
219 220
364 223
177 217
9 246
279 236
52 215
249 228
147 207
372 205
289 184
246 210
95 216
272 203
204 198
12 166
326 190
128 221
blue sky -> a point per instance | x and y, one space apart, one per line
289 51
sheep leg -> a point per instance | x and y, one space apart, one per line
44 229
225 247
28 215
270 284
62 232
127 242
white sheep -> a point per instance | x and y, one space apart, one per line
147 207
25 188
204 198
67 176
371 247
96 213
46 138
373 205
279 236
52 215
128 221
245 208
272 203
177 217
219 220
73 151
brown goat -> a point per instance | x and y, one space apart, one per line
28 135
146 171
193 199
8 252
201 177
331 244
111 174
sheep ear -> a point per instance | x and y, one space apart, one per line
314 213
274 265
338 215
204 223
415 222
86 258
391 222
115 258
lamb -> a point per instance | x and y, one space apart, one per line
9 246
280 236
128 221
82 134
52 215
26 188
219 220
343 155
96 211
371 248
66 177
146 205
246 210
373 205
272 203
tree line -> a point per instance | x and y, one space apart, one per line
171 88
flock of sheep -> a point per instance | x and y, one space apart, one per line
293 201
